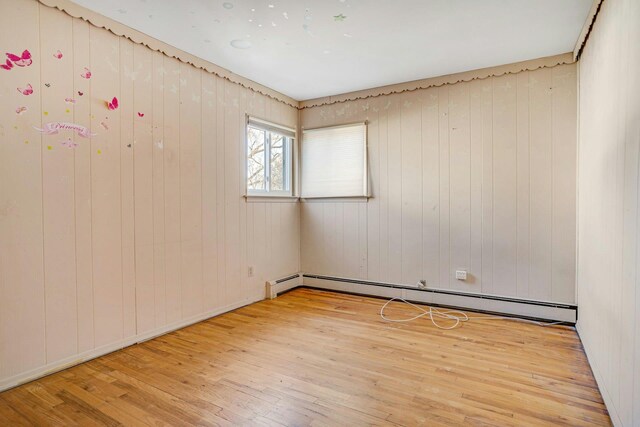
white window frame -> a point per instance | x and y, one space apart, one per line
288 148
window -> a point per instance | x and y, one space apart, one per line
334 161
269 158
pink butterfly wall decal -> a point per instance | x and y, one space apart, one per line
21 110
26 91
86 74
58 55
113 104
8 66
23 60
140 114
70 100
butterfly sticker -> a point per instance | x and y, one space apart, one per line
86 74
27 90
80 93
8 66
23 60
58 54
140 114
20 110
69 143
47 84
113 105
70 100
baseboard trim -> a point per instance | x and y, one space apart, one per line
495 304
76 359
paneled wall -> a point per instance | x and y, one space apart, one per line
478 175
608 232
138 228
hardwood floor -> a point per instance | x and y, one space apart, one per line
320 358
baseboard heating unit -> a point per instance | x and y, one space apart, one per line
494 304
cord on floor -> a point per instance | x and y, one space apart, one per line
457 316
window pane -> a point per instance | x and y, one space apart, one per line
255 159
278 162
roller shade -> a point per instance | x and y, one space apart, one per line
334 161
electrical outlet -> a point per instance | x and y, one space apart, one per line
250 271
461 274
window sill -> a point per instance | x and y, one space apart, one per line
256 198
346 199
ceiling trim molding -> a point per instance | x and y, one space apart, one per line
481 74
121 30
587 28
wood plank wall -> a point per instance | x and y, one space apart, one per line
478 176
139 227
609 190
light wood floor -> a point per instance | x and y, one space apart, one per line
320 358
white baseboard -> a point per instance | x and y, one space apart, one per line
76 359
479 302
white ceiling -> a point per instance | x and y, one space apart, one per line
299 48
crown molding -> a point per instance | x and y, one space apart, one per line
138 37
517 67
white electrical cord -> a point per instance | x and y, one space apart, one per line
455 315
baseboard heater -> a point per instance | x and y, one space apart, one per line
275 287
493 304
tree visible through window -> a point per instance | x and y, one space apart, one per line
255 156
268 161
277 163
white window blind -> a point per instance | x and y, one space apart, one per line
334 161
